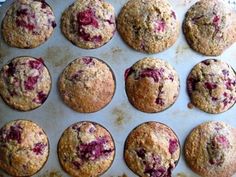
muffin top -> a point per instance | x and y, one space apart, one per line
87 85
210 27
28 23
210 150
24 148
89 23
148 26
86 149
25 83
152 149
152 85
212 86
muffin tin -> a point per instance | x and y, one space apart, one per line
119 117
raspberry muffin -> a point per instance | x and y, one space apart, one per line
210 150
28 23
211 86
210 27
87 85
152 149
148 26
89 23
86 149
152 85
24 148
25 83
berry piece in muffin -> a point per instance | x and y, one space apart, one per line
211 86
89 24
86 149
152 149
148 26
210 150
24 148
87 85
25 83
210 27
152 85
28 23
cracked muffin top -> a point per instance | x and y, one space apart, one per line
87 85
210 27
25 83
24 148
86 149
149 26
210 150
89 23
152 85
152 149
211 86
28 23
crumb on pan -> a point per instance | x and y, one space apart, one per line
190 105
53 173
121 116
181 175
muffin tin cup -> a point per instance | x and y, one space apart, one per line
100 60
98 125
221 113
49 150
180 147
47 94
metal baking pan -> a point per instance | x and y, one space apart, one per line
119 117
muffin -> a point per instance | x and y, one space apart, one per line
211 86
25 83
28 23
148 26
210 27
86 149
210 150
89 23
152 85
24 148
87 85
152 149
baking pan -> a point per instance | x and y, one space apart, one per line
119 117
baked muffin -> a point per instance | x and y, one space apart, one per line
152 149
210 150
87 85
24 148
89 23
28 23
148 26
25 83
86 149
152 85
210 27
211 86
